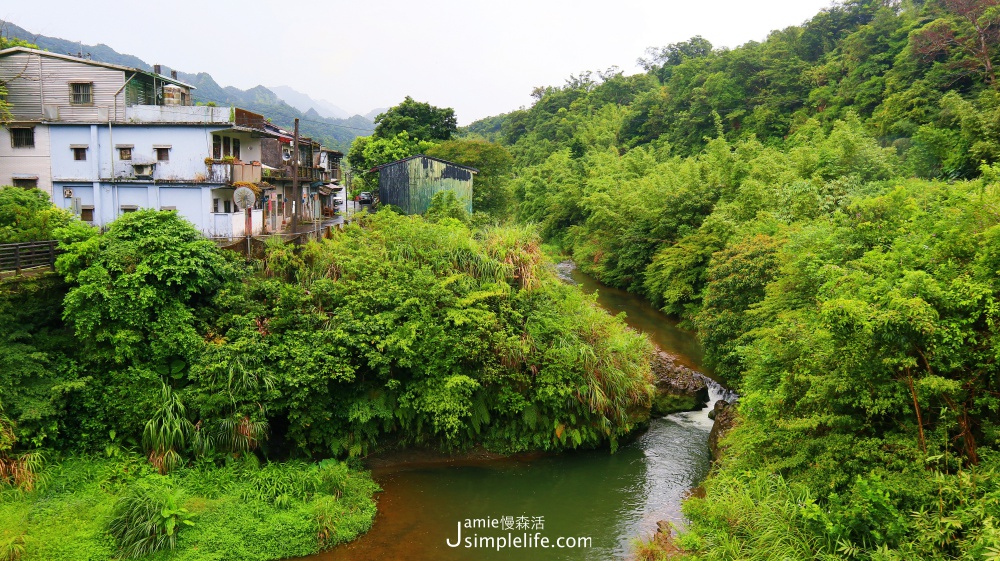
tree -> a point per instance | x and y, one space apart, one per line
28 215
421 120
139 288
674 54
972 35
368 152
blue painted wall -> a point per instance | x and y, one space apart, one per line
180 181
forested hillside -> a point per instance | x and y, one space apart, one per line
823 207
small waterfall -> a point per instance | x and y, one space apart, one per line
717 391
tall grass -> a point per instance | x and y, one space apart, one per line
148 518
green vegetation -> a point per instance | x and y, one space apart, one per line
194 405
421 120
491 194
400 330
28 215
99 507
822 208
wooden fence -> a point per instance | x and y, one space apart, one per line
19 256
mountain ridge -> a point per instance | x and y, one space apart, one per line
304 102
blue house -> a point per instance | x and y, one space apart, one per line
104 139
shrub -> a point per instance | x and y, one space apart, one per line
148 518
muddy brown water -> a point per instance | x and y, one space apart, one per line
601 501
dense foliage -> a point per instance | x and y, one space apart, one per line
186 366
114 506
822 208
28 215
397 329
422 120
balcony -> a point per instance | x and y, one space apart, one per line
232 225
229 173
305 174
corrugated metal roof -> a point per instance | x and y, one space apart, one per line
472 169
261 132
167 79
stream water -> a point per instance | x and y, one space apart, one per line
609 498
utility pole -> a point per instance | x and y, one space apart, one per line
296 196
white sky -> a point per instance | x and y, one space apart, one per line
480 58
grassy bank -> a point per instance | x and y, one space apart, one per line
244 510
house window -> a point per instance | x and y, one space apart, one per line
228 206
226 148
129 208
162 154
216 147
168 208
124 153
87 213
79 154
215 205
81 94
27 183
22 137
236 148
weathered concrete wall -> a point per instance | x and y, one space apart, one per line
24 162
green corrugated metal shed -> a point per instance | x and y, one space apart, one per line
412 182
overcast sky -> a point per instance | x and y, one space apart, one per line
480 58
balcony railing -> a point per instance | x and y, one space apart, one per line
305 174
229 173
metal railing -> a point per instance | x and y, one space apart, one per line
29 255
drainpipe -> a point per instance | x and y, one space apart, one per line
111 158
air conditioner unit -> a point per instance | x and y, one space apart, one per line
143 170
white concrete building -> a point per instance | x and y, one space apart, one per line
104 139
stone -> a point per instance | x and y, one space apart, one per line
678 388
725 420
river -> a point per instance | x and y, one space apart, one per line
608 498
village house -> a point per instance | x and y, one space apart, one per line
103 140
410 184
319 177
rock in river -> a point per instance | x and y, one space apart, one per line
678 388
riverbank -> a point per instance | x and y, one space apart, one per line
242 510
612 499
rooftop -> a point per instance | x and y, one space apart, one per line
165 79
